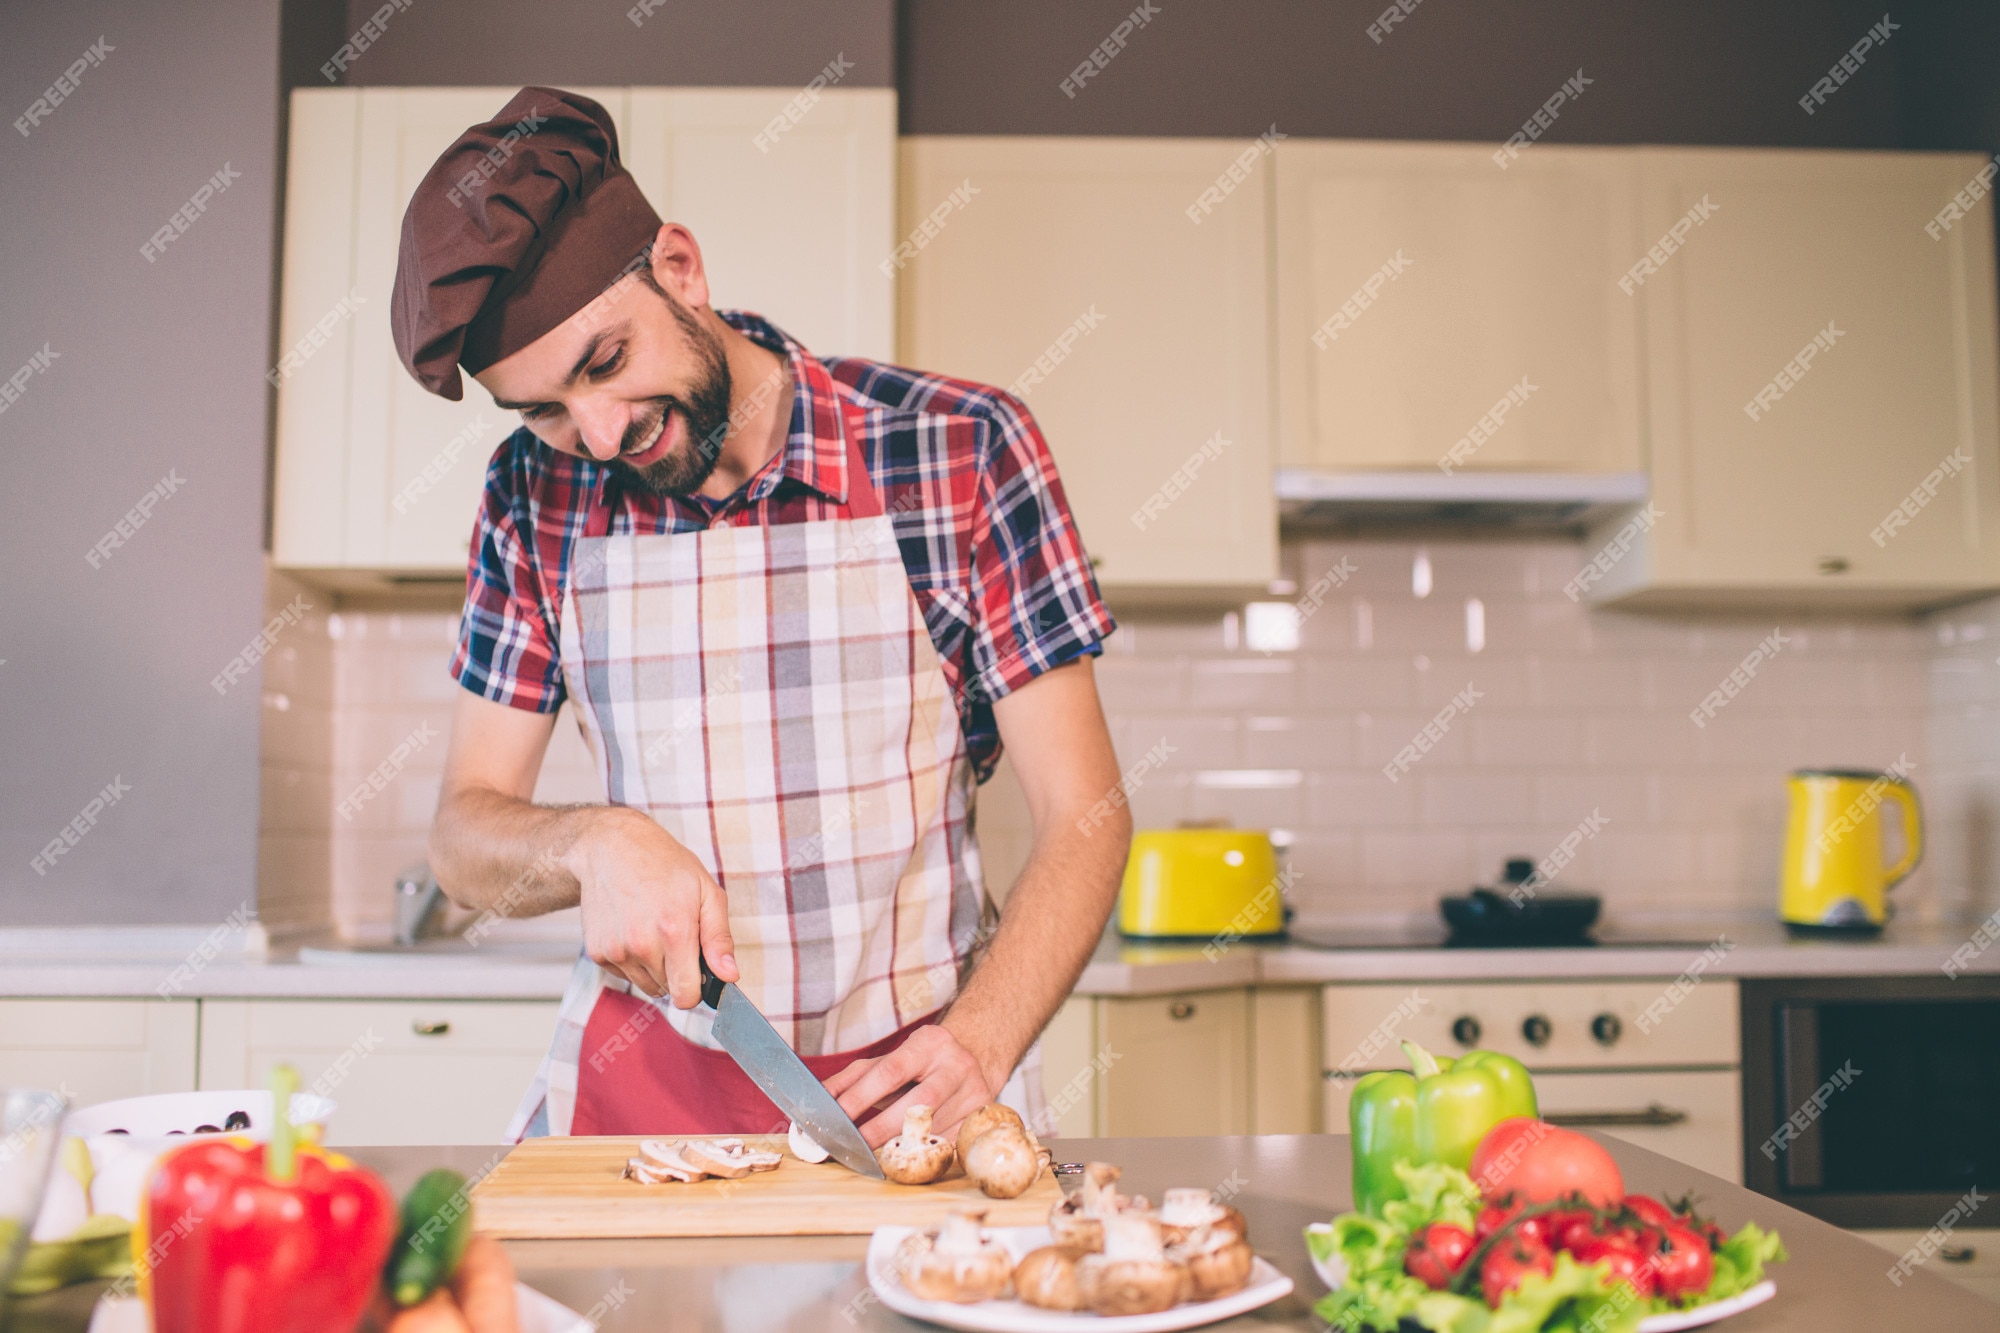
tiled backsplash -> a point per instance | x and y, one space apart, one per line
1571 713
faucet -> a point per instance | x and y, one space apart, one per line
418 900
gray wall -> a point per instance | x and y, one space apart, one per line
773 43
159 370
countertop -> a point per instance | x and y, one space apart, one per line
762 1285
139 963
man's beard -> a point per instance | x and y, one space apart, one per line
704 411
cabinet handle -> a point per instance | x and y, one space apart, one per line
1655 1114
1180 1009
1832 564
1958 1254
426 1027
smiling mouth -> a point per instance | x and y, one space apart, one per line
653 442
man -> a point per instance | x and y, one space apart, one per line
799 605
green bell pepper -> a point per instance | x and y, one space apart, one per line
1438 1114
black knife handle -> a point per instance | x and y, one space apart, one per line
711 986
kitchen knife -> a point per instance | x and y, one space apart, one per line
778 1072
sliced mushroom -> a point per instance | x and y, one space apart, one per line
1077 1220
1217 1262
802 1145
916 1156
1183 1212
660 1160
1133 1275
731 1159
1047 1278
955 1260
1003 1162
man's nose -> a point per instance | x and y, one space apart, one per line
601 428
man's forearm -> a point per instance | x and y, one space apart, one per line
494 852
1048 929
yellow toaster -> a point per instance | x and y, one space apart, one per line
1201 884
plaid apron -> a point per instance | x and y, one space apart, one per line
771 696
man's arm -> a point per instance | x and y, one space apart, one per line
1053 728
648 903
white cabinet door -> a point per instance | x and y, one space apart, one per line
1419 284
1071 270
376 475
399 1071
792 225
1816 358
98 1050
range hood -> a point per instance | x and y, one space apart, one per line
1531 501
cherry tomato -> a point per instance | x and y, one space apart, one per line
1510 1261
1651 1211
1620 1252
1437 1253
1685 1263
1494 1216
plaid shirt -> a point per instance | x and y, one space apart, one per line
986 536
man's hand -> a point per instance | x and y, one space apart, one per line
946 1076
648 905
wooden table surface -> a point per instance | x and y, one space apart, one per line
1833 1281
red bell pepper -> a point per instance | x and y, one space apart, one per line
242 1237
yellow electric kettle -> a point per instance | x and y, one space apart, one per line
1833 876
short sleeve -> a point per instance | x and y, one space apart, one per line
507 639
1035 602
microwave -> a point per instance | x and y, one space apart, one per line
1872 1102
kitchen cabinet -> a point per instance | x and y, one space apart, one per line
98 1050
1284 1056
1174 1064
376 478
1816 358
399 1071
1968 1256
1418 286
1071 272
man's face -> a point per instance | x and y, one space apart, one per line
635 377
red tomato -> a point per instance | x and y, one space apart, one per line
1686 1266
1569 1228
1651 1211
1437 1253
1508 1262
1623 1255
1492 1217
1541 1163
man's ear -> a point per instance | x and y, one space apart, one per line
677 265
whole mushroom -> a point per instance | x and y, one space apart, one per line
1047 1278
954 1260
1217 1262
1003 1162
1133 1275
1183 1212
984 1118
916 1156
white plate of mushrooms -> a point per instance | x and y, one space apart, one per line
1107 1260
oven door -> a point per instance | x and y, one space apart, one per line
1872 1102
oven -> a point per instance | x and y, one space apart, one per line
1872 1102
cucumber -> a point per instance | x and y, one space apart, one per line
436 1224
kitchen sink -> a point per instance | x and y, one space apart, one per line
449 950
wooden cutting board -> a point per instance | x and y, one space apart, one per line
570 1188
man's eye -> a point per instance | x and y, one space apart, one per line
608 366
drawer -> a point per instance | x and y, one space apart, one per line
1649 1024
1708 1136
98 1050
1970 1257
404 1071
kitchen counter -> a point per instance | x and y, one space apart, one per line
138 963
759 1285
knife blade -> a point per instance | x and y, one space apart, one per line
779 1074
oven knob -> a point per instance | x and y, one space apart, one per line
1465 1030
1606 1028
1535 1029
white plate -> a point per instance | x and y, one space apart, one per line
1671 1322
539 1314
1267 1284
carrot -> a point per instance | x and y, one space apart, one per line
438 1313
484 1286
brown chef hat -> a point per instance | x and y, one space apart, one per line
516 227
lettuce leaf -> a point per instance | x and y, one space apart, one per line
1575 1298
1435 1192
1739 1263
